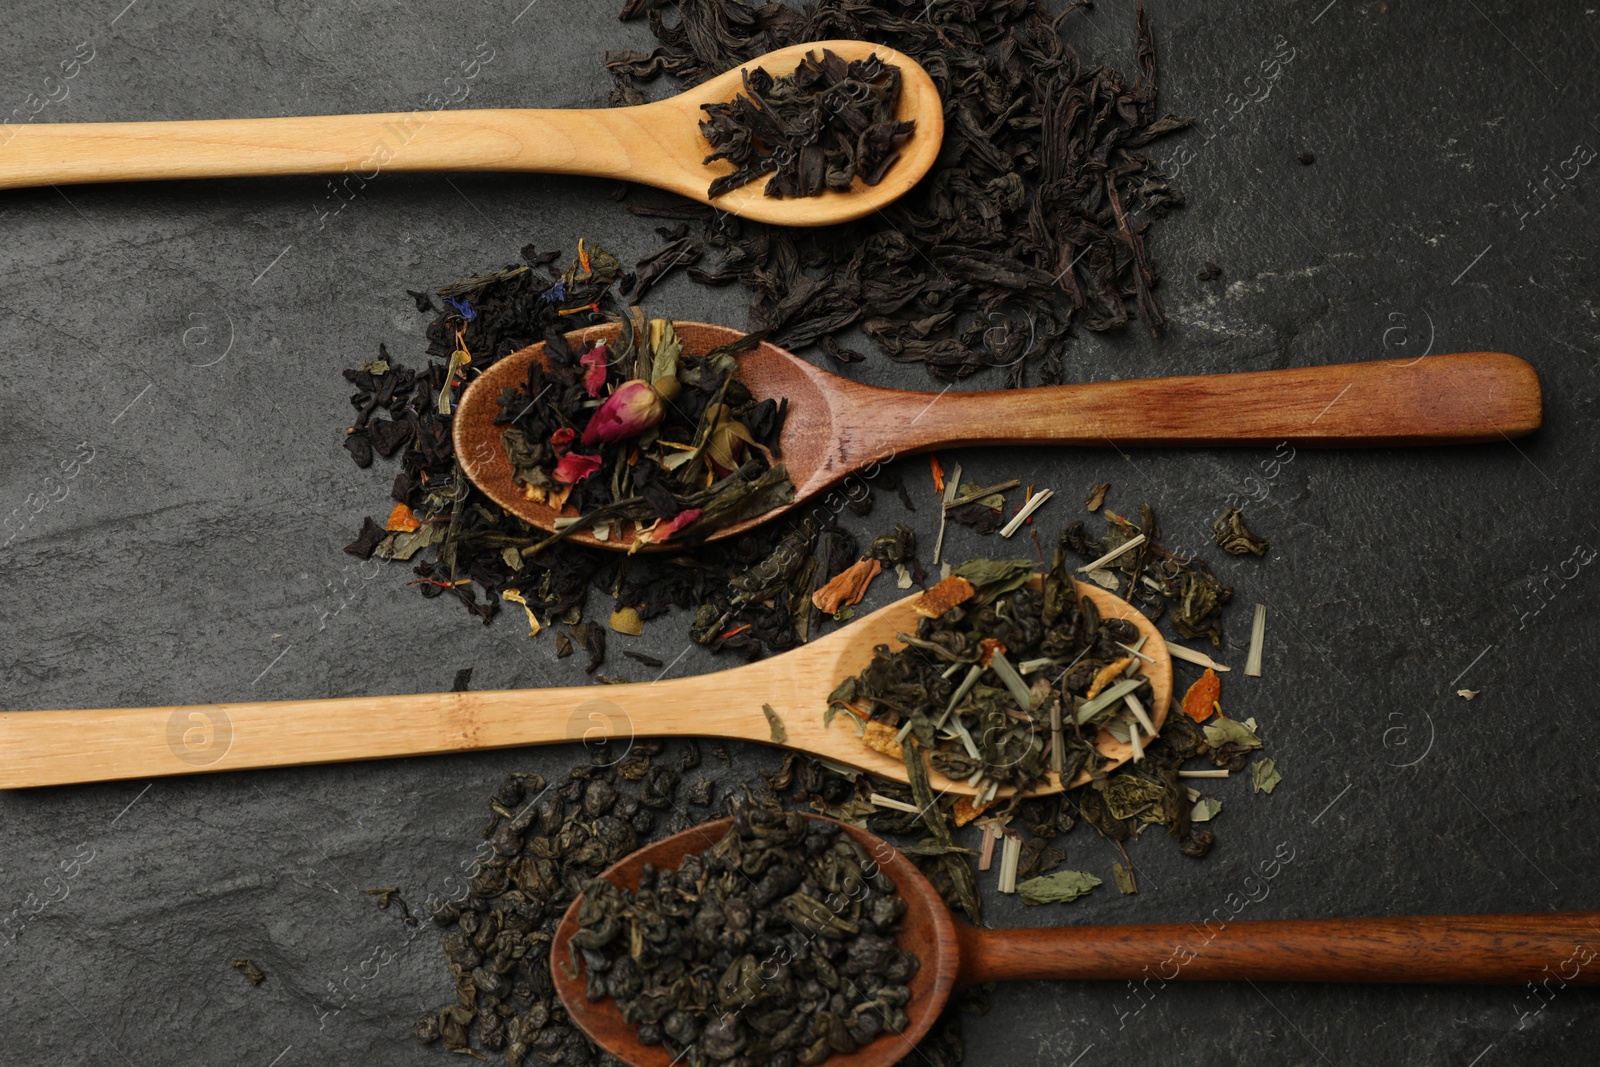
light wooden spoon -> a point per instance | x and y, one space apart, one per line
837 427
657 144
60 747
1449 949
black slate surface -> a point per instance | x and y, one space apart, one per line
191 336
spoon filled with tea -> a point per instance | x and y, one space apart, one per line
779 937
808 135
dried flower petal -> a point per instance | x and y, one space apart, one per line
1200 702
401 518
594 363
574 467
847 587
940 598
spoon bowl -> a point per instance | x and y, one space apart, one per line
836 427
927 930
657 144
1451 949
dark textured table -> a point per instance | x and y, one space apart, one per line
189 337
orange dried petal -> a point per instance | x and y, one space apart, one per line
402 519
965 810
847 587
1200 702
938 474
940 598
1107 674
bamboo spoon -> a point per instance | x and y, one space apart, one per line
60 747
836 427
1452 949
657 144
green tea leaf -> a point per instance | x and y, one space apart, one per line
1230 731
1264 776
779 734
995 577
1205 809
1063 887
1127 884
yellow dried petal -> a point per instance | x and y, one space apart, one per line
625 620
879 736
1107 675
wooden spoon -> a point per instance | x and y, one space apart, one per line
657 144
59 747
1449 949
836 427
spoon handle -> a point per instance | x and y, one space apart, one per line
601 143
1456 949
60 747
1467 396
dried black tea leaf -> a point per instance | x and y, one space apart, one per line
1034 218
1209 272
255 975
819 127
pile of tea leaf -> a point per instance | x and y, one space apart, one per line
774 946
750 593
1002 684
638 430
1034 218
817 128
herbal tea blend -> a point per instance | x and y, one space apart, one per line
774 946
636 431
1033 219
819 127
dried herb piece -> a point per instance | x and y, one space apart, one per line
819 127
1127 883
1063 887
1264 775
255 975
1209 272
1234 537
779 734
1097 496
1200 701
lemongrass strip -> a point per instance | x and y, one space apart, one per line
1116 553
1199 659
1258 638
986 856
1138 713
1027 510
898 805
1010 856
1203 774
1134 742
979 494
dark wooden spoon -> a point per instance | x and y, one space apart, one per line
836 427
1447 949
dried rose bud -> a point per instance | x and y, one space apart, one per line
634 408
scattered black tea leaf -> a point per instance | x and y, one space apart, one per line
1306 158
779 892
779 734
463 680
1209 272
255 975
1034 218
